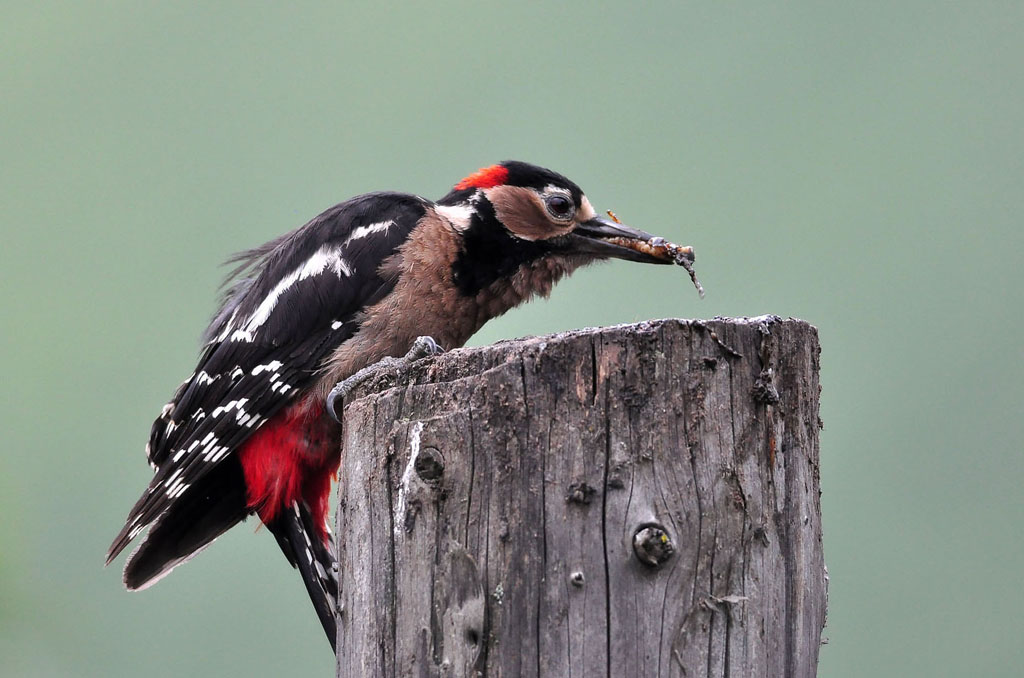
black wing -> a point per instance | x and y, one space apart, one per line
294 300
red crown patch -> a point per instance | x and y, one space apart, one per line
487 177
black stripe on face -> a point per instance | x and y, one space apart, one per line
489 252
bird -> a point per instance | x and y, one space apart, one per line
253 431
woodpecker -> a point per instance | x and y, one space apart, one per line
250 433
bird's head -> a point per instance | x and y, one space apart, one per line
515 213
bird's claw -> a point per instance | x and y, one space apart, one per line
423 347
334 395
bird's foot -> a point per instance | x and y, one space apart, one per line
423 347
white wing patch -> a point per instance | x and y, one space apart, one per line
327 257
323 259
369 229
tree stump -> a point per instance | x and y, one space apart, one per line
639 500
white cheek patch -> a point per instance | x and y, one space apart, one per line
586 211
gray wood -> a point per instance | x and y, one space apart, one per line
639 500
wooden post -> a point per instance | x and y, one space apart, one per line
639 500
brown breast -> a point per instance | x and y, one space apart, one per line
425 300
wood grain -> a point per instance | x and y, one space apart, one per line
491 499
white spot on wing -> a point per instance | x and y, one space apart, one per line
272 366
280 387
175 485
213 452
228 326
182 452
230 406
178 492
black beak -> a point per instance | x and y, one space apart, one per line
607 239
603 238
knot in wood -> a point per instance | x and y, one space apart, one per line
764 390
652 545
429 465
580 493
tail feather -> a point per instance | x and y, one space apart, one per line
300 540
187 527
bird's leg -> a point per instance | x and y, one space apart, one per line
421 348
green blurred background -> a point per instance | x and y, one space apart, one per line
858 165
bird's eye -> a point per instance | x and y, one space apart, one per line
559 206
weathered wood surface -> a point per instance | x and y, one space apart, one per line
490 502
